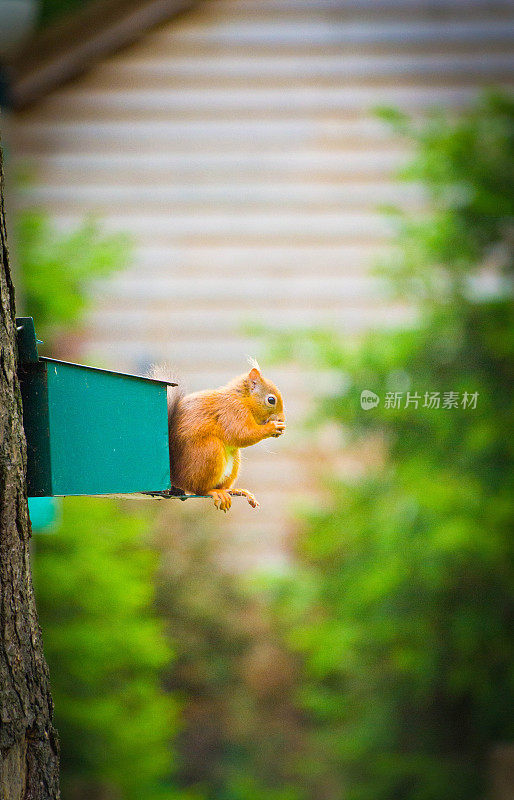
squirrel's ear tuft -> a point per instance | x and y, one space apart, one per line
253 363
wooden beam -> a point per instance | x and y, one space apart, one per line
70 47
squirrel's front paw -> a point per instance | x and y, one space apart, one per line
279 427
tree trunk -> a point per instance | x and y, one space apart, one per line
29 762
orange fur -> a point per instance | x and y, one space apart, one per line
208 428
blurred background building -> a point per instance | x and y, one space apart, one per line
235 141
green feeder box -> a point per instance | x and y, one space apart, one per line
90 431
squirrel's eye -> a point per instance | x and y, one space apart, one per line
271 399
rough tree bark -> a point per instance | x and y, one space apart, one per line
29 761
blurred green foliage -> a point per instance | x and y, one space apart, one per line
106 650
58 268
240 734
403 606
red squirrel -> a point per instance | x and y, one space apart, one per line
208 428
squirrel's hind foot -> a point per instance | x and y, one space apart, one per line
222 499
244 493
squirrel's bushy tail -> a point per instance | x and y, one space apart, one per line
164 372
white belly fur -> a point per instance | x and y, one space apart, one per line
229 466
